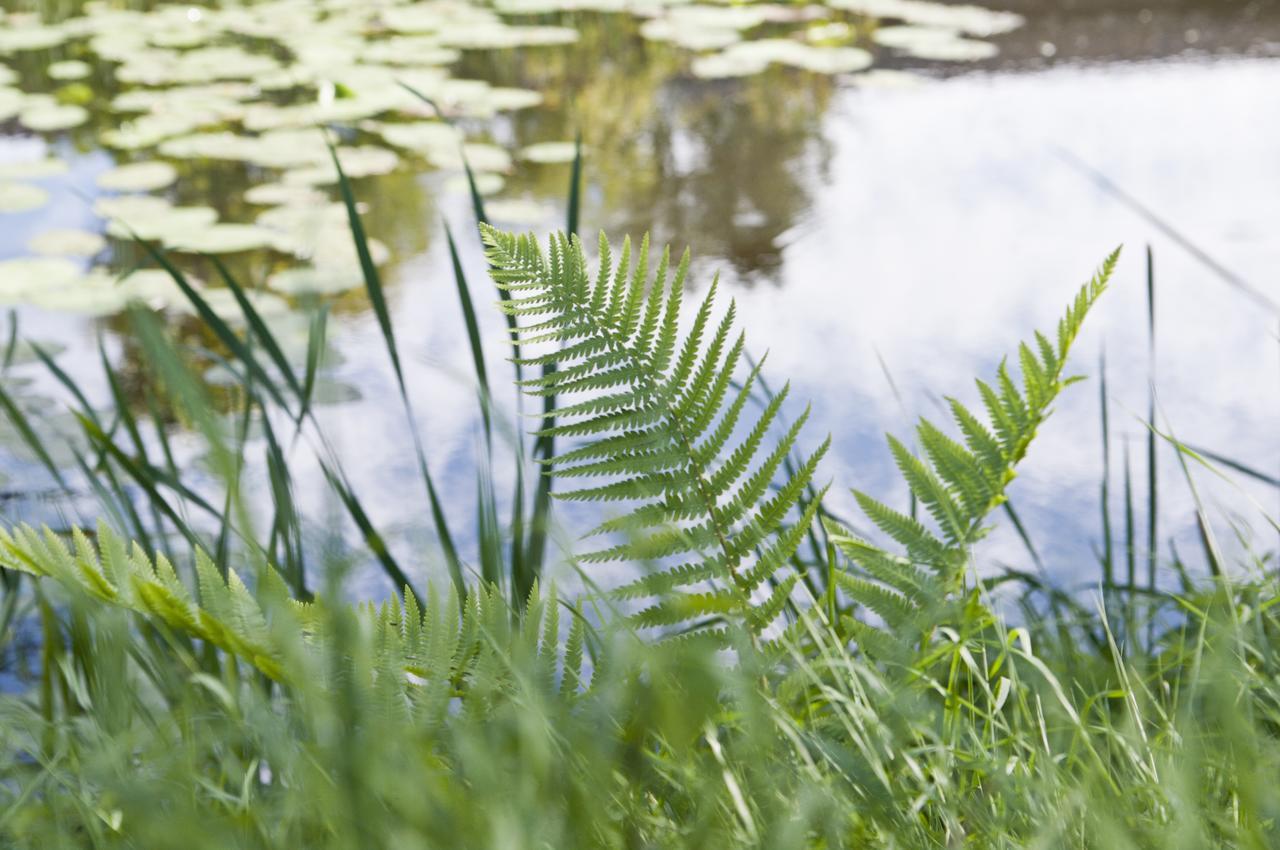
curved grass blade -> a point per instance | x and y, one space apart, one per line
373 285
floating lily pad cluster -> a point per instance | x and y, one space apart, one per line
252 84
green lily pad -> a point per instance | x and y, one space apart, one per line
44 118
500 99
523 211
138 177
955 50
310 280
409 50
224 304
163 224
486 184
365 161
939 43
149 131
480 156
284 194
549 152
67 242
20 277
71 69
422 137
221 239
498 36
15 38
37 169
753 57
11 102
20 197
689 37
84 299
220 145
131 207
155 288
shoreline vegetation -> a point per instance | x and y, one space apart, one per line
776 676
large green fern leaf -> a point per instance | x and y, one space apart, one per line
657 413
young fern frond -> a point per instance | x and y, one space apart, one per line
959 483
433 650
658 414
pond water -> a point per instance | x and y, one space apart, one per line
894 192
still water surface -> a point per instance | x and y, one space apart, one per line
884 243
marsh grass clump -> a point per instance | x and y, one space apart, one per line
776 677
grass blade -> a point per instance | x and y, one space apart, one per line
373 285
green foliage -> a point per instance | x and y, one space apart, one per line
431 649
959 484
657 419
180 703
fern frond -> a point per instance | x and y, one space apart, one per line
658 421
423 654
959 484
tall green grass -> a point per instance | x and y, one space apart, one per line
202 680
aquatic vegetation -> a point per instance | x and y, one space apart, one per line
192 688
177 91
67 242
19 197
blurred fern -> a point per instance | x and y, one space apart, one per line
657 418
432 648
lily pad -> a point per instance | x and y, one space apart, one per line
11 101
549 152
221 239
409 50
486 184
422 136
689 37
159 220
310 280
14 38
150 130
44 118
935 42
20 277
479 155
365 161
752 57
955 50
523 211
500 99
155 288
972 20
67 242
284 194
20 197
138 177
71 69
85 297
223 303
33 169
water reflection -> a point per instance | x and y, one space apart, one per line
929 228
